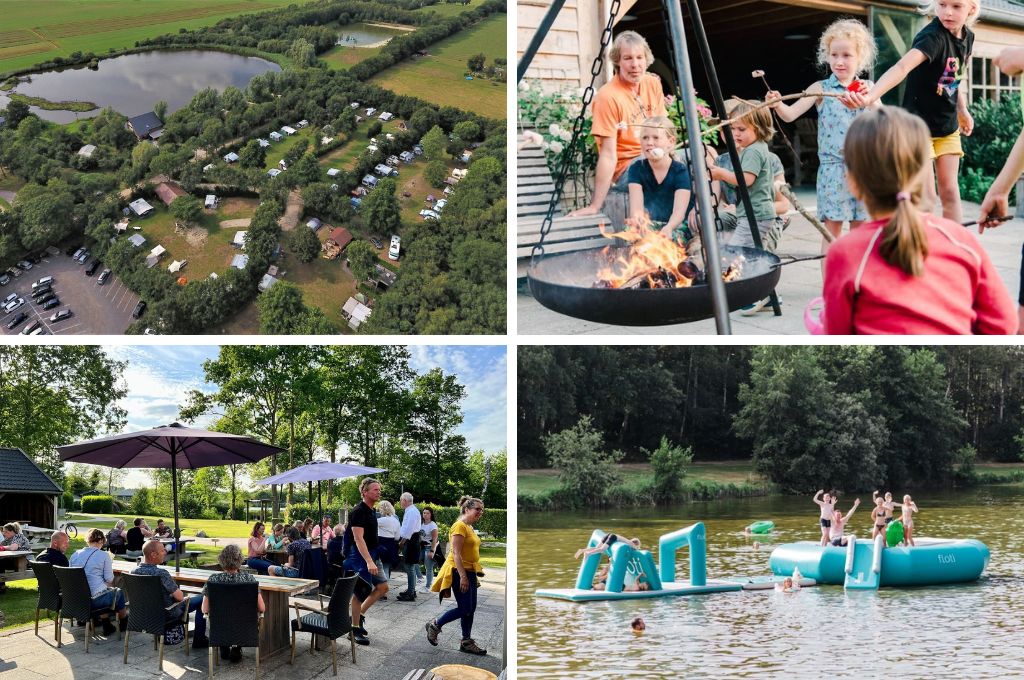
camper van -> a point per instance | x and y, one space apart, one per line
396 247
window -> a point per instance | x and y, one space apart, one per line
988 82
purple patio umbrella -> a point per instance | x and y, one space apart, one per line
318 471
173 446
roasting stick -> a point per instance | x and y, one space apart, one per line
760 74
761 105
787 191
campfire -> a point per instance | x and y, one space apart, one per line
654 261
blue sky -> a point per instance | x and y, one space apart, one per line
159 376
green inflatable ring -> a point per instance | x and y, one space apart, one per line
761 527
894 533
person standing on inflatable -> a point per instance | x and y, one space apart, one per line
827 505
909 508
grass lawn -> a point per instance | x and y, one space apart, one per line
214 255
439 78
214 528
4 205
492 556
277 150
38 30
11 182
450 9
635 475
326 284
341 57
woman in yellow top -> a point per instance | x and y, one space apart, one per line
459 574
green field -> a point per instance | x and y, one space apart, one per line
439 77
39 30
636 475
446 9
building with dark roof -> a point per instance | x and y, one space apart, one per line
146 126
27 494
168 191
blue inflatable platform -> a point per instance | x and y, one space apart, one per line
866 565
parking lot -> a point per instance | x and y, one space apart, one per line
105 309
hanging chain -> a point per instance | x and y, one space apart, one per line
564 160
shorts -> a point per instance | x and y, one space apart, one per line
770 231
366 581
826 522
947 146
288 572
837 542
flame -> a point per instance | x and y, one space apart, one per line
650 251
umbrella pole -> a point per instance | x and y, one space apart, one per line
320 502
174 492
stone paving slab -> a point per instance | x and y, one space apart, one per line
398 644
800 283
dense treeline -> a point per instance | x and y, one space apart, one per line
853 417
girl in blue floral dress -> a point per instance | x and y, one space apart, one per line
848 49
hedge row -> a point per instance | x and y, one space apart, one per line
494 521
103 505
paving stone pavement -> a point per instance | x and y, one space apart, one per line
398 644
800 283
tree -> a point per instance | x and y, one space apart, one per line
252 155
187 209
435 173
304 244
46 213
422 120
302 53
306 170
374 129
669 466
585 469
439 469
160 109
280 308
16 112
54 395
434 143
476 62
362 257
381 210
318 198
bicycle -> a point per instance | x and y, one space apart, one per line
69 528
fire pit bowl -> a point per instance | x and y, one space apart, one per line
565 284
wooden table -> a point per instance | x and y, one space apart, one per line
275 634
17 560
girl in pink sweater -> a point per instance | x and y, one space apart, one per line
906 271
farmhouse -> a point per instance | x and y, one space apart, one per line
87 151
26 492
146 126
140 207
231 158
168 192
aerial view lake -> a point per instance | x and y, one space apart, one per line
131 84
964 630
364 34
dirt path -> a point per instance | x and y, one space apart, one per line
7 196
292 211
236 224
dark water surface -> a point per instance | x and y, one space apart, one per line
133 83
959 631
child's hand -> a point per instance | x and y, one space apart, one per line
996 204
1010 61
966 121
855 100
773 94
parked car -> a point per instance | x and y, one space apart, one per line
104 275
78 251
82 257
43 299
9 299
35 325
34 258
93 266
439 206
375 240
40 293
61 315
5 278
70 252
38 331
51 303
25 265
13 305
17 321
45 281
139 310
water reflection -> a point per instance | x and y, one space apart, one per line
361 34
970 630
133 83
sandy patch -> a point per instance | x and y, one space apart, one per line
236 224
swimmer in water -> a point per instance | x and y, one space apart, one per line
787 585
638 625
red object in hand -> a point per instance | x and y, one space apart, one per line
854 86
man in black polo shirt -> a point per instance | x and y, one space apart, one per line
361 556
55 554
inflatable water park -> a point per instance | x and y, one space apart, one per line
862 564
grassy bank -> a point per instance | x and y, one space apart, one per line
47 105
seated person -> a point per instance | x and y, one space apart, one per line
659 185
154 553
258 550
135 537
307 528
162 530
634 580
276 540
296 547
322 532
13 538
336 551
116 539
99 572
230 560
55 554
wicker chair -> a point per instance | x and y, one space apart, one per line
149 614
234 619
76 601
331 622
49 594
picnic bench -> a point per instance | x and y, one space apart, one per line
18 560
534 188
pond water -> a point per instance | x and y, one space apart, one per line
967 630
363 34
133 83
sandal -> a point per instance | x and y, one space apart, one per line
471 647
